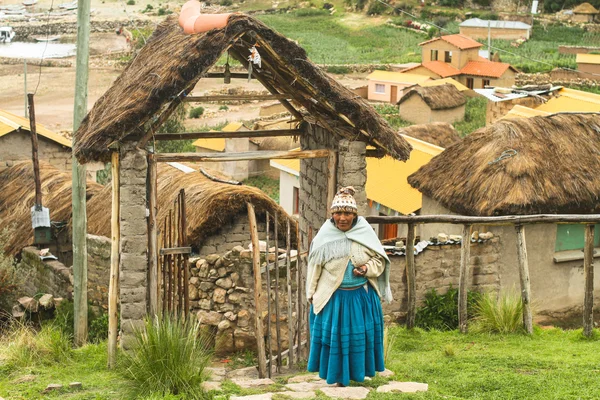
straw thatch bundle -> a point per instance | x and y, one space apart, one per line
18 196
210 205
585 8
171 63
442 97
544 164
441 134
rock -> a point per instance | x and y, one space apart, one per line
213 273
294 395
203 268
246 254
230 291
252 383
234 277
219 295
75 385
230 316
46 301
235 298
225 307
193 292
243 318
223 325
205 304
18 311
52 387
225 283
355 392
216 374
209 318
399 244
194 281
244 340
455 238
242 289
304 378
442 238
29 304
237 250
475 235
486 235
404 387
212 259
264 396
307 386
208 386
385 374
58 301
248 373
222 271
206 286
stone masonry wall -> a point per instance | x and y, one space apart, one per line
229 236
352 171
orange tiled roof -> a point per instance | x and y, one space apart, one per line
441 68
485 68
460 41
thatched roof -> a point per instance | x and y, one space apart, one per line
441 97
441 134
554 169
171 63
585 8
17 196
210 205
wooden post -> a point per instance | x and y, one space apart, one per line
260 337
288 281
588 272
524 276
298 298
331 177
170 264
165 268
277 323
152 237
411 277
34 154
463 282
186 275
113 286
268 272
304 299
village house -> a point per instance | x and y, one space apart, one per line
457 56
521 167
461 88
388 86
422 105
585 12
477 28
588 66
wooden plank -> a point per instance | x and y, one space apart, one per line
588 274
249 155
176 250
411 277
260 338
288 280
277 313
304 273
186 266
463 280
491 221
152 236
236 97
298 328
233 75
268 272
524 278
165 268
228 135
331 177
113 285
170 263
34 153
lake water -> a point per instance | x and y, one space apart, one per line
36 50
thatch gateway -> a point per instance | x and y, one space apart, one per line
538 165
335 124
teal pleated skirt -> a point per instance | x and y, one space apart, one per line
346 337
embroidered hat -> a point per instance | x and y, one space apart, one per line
343 200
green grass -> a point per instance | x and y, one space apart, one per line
475 111
268 185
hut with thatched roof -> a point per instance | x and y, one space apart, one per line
537 165
422 105
441 134
335 128
585 12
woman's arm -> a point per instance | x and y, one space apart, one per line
312 279
375 265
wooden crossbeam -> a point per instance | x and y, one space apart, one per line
249 155
492 221
175 250
235 97
233 75
228 135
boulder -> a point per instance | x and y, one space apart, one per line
29 304
209 317
46 301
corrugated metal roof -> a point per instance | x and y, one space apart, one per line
396 77
588 58
483 23
572 100
387 178
438 82
11 122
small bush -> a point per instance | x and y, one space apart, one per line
310 12
148 8
338 69
376 8
164 11
131 2
226 3
224 107
499 314
168 357
440 311
196 112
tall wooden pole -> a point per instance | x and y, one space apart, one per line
113 286
79 178
463 280
411 277
524 277
152 236
588 273
34 153
288 282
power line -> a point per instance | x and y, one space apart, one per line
45 47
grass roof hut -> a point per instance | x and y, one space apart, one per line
441 134
443 103
335 128
585 12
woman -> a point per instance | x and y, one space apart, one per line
348 272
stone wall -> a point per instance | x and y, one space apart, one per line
17 147
235 234
352 171
560 80
577 49
42 27
498 109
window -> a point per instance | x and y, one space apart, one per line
296 205
571 237
470 83
434 55
379 88
485 82
448 56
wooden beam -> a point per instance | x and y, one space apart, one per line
524 278
411 277
152 236
113 286
463 280
332 161
288 282
236 97
34 153
258 292
228 135
588 274
233 75
375 153
176 250
250 155
492 221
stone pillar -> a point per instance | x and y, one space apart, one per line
352 170
133 264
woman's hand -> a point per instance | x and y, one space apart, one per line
360 271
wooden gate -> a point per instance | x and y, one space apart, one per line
173 270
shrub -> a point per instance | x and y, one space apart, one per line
131 2
337 69
310 12
440 311
168 357
11 276
376 8
226 3
499 314
196 112
224 107
164 11
148 8
98 323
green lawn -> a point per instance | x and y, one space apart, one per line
551 364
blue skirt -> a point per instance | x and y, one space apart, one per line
346 337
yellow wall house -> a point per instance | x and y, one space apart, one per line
388 191
588 66
387 86
572 100
519 111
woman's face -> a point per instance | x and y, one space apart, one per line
343 220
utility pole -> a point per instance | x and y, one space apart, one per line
79 178
489 40
25 84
